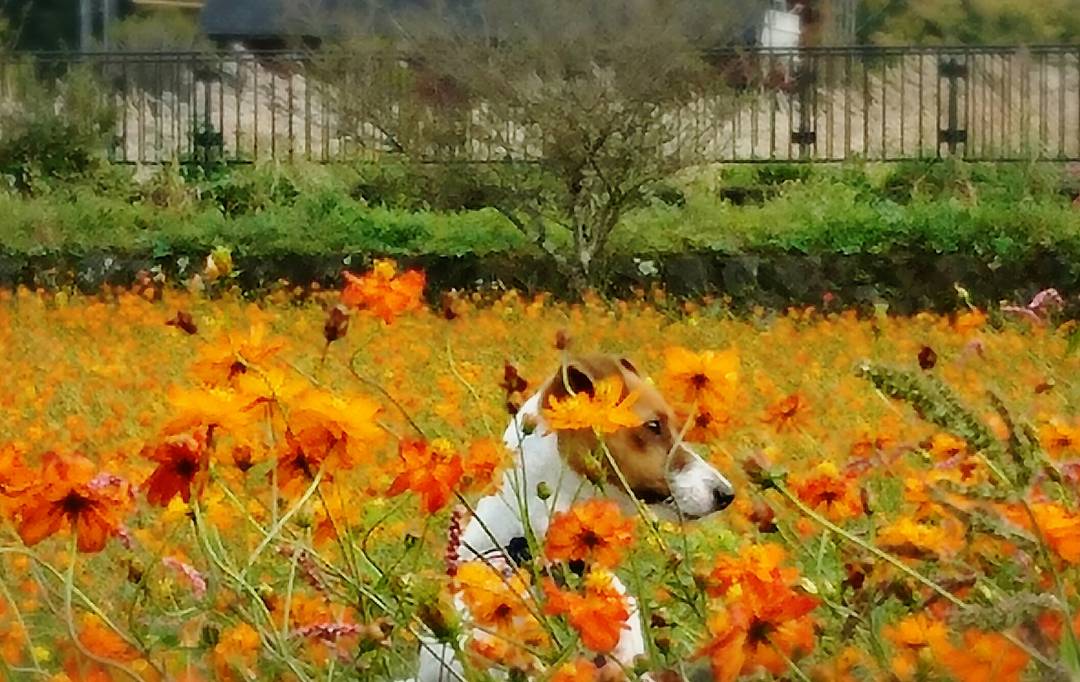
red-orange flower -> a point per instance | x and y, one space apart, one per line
759 629
182 463
594 531
383 291
825 490
70 495
432 471
599 616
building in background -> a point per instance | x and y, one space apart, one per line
280 23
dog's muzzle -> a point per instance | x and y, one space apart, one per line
699 489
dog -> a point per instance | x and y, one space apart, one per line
550 472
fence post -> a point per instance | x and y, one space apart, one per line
805 79
953 71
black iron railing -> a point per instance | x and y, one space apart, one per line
827 104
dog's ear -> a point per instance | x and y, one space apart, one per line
575 379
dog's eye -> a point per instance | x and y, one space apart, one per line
655 426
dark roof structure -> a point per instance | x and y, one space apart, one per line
270 20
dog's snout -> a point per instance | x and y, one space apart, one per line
722 497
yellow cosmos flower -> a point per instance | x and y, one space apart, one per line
607 410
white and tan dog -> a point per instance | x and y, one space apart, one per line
548 476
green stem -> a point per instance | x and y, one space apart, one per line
275 530
386 394
468 386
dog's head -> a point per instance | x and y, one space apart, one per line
656 465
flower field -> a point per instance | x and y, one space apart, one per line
196 486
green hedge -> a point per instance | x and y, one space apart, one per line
304 223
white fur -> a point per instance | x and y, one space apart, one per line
499 518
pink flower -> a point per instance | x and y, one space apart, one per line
198 582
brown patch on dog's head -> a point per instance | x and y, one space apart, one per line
644 453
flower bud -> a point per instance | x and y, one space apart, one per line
337 323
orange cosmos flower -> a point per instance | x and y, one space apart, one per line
760 629
709 378
383 291
849 665
432 471
237 649
15 476
1059 525
984 656
825 490
101 641
914 638
493 600
328 427
594 531
605 411
969 321
1058 438
193 410
709 423
233 353
328 433
917 539
786 413
70 495
599 616
500 603
580 670
945 446
485 457
182 462
754 565
727 644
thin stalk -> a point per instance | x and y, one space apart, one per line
275 530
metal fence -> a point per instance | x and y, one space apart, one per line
828 104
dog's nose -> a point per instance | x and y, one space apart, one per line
722 497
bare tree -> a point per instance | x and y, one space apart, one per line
574 105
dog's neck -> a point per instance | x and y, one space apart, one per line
536 486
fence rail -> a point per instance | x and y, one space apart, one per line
827 104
